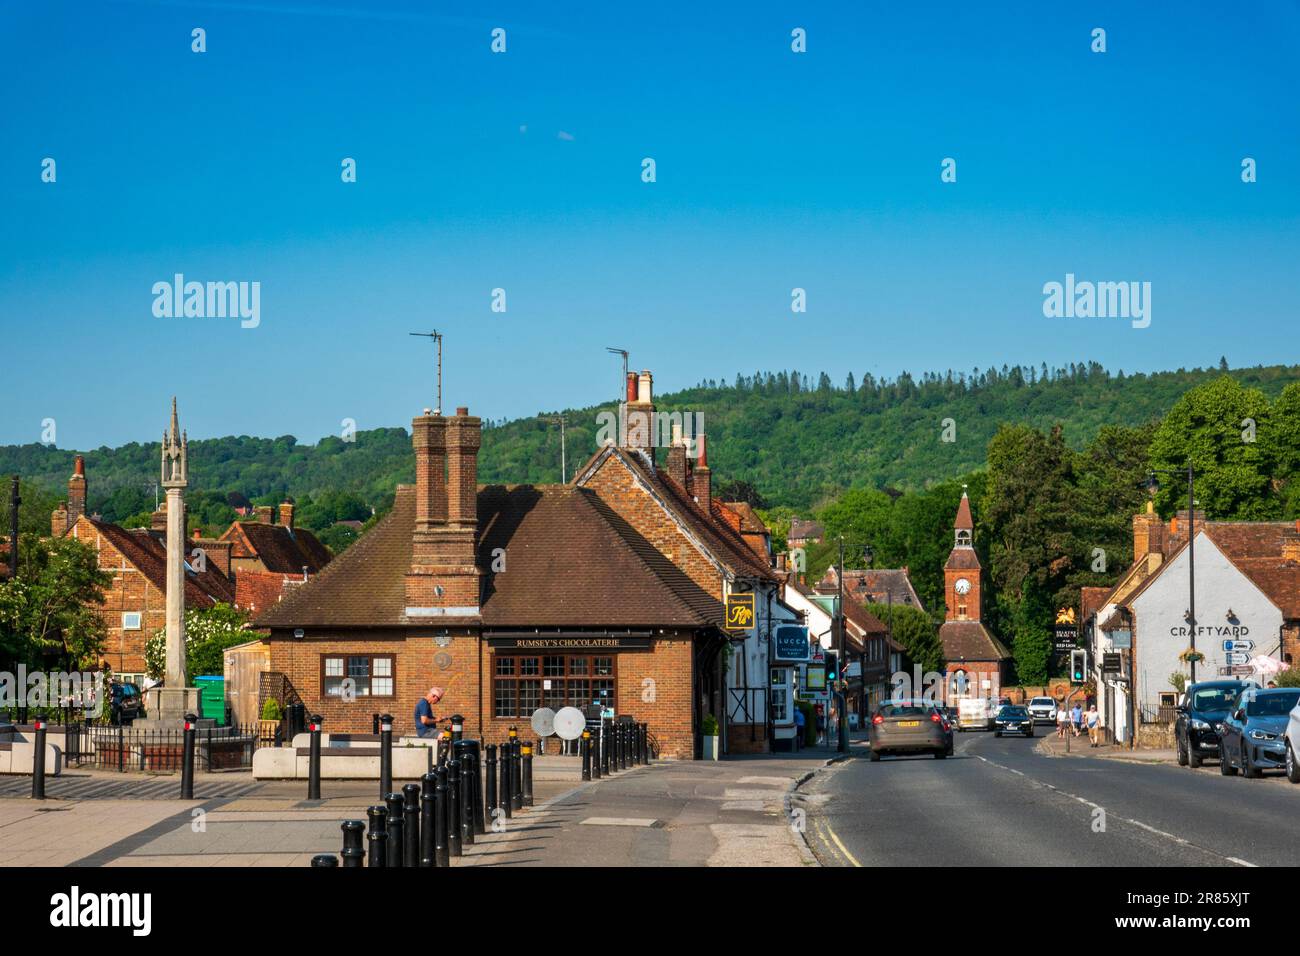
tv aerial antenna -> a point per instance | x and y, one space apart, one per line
437 338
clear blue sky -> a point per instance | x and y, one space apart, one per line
522 171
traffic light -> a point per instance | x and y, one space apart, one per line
832 668
1078 666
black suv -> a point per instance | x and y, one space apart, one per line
1203 708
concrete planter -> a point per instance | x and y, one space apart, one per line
711 748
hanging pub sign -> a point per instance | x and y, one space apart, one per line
790 643
740 611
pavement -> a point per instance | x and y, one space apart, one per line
1053 746
1008 801
734 812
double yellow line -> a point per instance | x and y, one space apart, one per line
825 831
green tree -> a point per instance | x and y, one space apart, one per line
915 631
48 614
208 633
1211 427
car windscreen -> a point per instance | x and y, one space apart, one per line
1214 698
1041 702
1013 713
904 709
1272 705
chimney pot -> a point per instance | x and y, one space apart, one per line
462 411
631 386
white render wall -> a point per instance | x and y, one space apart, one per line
1162 633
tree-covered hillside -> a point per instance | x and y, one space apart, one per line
799 440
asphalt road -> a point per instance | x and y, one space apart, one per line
998 802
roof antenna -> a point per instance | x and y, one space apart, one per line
437 338
622 384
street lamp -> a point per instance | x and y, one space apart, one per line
1152 485
842 718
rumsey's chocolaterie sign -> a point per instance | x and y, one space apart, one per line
541 642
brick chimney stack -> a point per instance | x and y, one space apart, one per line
679 461
443 580
1291 545
1147 532
286 513
264 514
77 491
701 478
639 414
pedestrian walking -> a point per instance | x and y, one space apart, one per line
1062 715
1094 726
1076 718
799 722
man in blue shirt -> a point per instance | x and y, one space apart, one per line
1076 718
426 722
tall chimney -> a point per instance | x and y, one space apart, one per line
640 414
701 480
59 520
1291 545
264 514
77 491
679 464
444 579
286 513
1146 528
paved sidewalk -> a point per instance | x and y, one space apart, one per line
1053 746
733 812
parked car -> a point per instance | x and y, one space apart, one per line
1204 707
1292 738
126 702
1013 720
909 726
1043 710
1252 737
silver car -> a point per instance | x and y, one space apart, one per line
1252 738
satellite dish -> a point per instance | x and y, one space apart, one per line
570 723
543 721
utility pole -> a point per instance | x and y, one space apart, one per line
14 501
1191 565
841 718
562 422
437 338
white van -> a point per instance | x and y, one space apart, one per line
976 713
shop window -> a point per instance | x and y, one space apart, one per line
523 684
361 675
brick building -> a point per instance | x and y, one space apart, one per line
135 603
267 548
977 662
510 598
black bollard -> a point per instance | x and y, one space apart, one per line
584 748
442 856
38 761
645 743
396 842
354 854
606 747
516 774
527 775
504 800
622 745
444 748
453 808
313 760
378 836
187 759
480 824
385 755
491 778
428 802
594 746
374 724
466 800
324 859
457 727
411 825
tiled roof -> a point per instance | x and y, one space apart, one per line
570 562
147 553
723 541
281 550
258 590
750 523
970 641
805 529
964 521
1091 600
962 559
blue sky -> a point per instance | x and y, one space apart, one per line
522 171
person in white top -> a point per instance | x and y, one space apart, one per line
1093 720
1062 720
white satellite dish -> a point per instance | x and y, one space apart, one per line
543 721
570 723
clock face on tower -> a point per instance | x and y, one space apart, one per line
962 586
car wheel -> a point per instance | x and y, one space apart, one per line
1225 765
1182 754
1248 768
997 733
1292 765
1193 758
1029 732
875 756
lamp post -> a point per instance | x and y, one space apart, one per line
1153 486
841 697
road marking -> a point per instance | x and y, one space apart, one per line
1137 823
843 848
618 822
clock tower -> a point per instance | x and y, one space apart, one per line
962 572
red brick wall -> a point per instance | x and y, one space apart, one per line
654 686
130 591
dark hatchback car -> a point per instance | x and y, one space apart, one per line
1204 707
1013 719
909 726
126 703
1253 736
